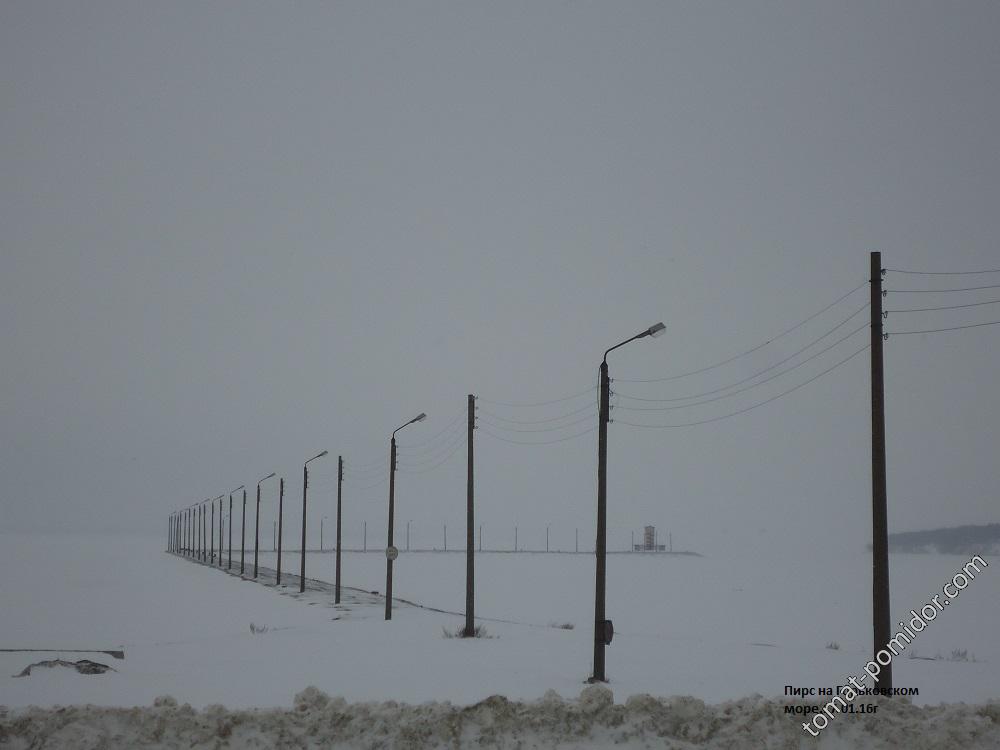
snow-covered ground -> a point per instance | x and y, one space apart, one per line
714 628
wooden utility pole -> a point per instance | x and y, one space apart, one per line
880 527
340 484
470 552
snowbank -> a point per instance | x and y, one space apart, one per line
591 721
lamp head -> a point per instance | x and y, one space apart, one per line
656 330
419 418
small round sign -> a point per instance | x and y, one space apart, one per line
391 553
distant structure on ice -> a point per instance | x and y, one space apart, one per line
649 542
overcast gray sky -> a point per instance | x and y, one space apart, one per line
236 234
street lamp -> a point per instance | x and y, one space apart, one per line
305 485
256 527
603 629
390 550
231 525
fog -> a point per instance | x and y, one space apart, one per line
236 235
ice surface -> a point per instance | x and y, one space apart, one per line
728 631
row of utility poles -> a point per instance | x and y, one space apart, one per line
186 528
183 524
275 545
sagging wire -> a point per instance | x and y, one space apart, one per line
748 351
749 408
760 372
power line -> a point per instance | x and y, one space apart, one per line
348 464
457 429
747 388
941 330
381 468
537 442
435 435
436 465
947 307
761 372
383 480
540 429
537 421
536 403
936 291
403 459
943 273
748 351
749 408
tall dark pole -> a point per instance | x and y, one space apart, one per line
220 528
211 537
231 530
256 533
602 525
243 532
281 502
602 626
305 486
302 566
256 526
470 553
390 551
392 510
340 484
201 531
880 526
